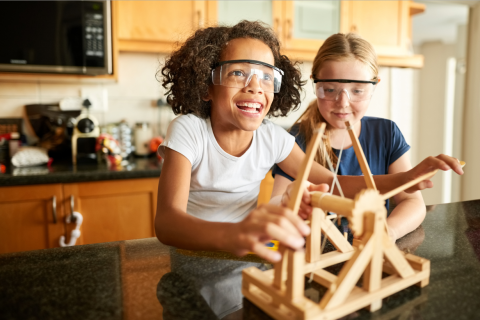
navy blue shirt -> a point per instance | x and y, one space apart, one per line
381 140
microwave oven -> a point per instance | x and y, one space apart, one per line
56 37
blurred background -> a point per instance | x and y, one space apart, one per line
427 53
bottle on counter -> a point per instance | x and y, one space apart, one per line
143 135
14 143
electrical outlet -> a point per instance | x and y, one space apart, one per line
98 97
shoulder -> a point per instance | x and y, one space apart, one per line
379 125
188 123
189 119
271 129
377 122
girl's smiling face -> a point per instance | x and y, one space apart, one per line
341 110
241 108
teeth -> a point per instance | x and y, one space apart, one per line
250 111
252 105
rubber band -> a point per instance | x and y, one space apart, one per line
349 127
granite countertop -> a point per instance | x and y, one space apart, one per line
144 279
66 172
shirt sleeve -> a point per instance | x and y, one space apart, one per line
298 140
398 144
284 143
183 137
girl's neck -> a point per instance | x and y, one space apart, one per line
233 141
337 136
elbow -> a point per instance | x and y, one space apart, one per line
160 230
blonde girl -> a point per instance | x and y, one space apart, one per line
344 77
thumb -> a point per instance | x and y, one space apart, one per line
318 187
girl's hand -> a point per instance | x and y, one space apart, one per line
442 162
306 205
266 223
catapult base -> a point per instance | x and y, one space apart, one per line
259 288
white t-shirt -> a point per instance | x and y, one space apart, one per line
225 188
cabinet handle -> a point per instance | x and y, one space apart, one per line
54 209
72 206
353 28
199 17
277 27
289 29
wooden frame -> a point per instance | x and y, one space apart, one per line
280 292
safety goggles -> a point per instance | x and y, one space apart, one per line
355 90
239 73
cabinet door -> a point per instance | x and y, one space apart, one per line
27 219
307 23
232 12
385 24
114 210
154 26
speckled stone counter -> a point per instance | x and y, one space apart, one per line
65 173
143 279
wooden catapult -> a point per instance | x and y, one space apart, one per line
280 291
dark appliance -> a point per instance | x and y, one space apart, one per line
84 138
53 127
56 37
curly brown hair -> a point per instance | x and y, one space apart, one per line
187 71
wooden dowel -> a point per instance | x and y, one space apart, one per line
407 185
297 192
333 203
362 161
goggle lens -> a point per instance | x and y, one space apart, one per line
355 92
240 74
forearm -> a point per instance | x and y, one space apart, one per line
181 230
351 185
406 217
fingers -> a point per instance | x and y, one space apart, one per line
444 162
285 218
263 252
318 187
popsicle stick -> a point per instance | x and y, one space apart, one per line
362 161
407 185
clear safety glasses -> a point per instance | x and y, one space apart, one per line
355 90
239 73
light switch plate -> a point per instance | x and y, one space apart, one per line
98 97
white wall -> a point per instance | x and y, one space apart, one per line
471 127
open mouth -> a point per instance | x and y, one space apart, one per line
250 107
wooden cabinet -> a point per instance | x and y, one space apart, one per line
154 26
31 217
386 25
112 210
301 26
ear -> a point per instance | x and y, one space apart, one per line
208 96
378 80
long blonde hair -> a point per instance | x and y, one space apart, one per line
336 47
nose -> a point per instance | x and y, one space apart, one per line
343 99
253 84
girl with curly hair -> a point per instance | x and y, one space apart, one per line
224 81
